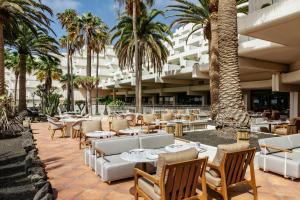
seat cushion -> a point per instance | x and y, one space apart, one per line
113 168
105 123
166 116
113 146
148 118
226 148
90 126
294 140
275 162
156 141
215 181
148 188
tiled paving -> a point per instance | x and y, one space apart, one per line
72 180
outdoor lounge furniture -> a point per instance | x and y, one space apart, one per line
118 124
176 177
229 168
56 126
288 129
76 129
104 155
281 155
86 127
148 120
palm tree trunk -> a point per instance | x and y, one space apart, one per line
89 73
97 92
136 57
16 91
22 82
48 82
68 78
72 83
2 67
214 62
232 111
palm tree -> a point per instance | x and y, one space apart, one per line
100 41
232 110
29 44
12 12
64 81
133 8
151 38
88 27
204 16
67 19
47 69
12 63
88 83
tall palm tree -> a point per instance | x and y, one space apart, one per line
88 25
204 16
12 12
232 110
29 44
64 81
133 9
152 36
100 41
67 19
47 69
12 63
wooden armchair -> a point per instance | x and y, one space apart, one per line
232 171
118 124
288 129
56 126
148 120
177 181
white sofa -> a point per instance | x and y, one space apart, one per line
281 155
110 167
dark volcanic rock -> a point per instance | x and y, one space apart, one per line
39 184
28 144
43 192
48 197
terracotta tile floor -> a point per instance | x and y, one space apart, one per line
72 180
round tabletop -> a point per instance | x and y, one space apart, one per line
141 155
181 147
100 134
132 131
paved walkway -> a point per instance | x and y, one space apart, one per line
72 180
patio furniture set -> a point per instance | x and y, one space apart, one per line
164 168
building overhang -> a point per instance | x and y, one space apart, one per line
278 23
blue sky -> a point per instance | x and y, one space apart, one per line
105 9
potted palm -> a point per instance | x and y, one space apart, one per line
105 101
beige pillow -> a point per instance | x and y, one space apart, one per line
119 124
228 148
171 158
166 117
148 118
105 124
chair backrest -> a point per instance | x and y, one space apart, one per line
119 124
90 126
166 116
235 164
148 118
181 178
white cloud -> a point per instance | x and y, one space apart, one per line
61 5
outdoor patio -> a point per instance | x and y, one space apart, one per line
72 179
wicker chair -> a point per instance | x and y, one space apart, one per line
232 172
148 123
76 129
56 126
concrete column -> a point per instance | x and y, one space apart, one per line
294 105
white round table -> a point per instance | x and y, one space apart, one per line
132 131
173 148
100 134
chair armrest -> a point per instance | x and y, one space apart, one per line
138 172
213 166
276 148
99 153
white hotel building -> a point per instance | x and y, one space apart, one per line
269 58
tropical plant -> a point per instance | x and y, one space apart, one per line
99 45
133 9
44 95
105 101
232 109
47 69
88 83
14 12
152 36
28 44
70 42
64 81
204 17
52 104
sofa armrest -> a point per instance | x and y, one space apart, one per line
276 148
